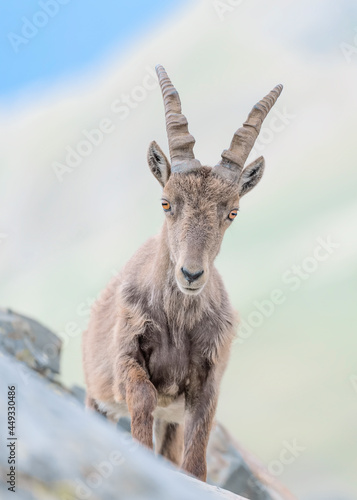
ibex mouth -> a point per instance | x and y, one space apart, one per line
193 291
190 290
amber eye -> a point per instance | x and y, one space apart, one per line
233 214
166 205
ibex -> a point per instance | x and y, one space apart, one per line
159 336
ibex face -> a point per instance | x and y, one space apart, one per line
199 202
199 206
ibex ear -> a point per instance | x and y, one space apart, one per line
158 163
251 175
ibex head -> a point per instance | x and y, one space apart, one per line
201 202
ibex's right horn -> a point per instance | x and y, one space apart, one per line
180 140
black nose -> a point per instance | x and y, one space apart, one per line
191 277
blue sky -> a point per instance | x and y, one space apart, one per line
37 48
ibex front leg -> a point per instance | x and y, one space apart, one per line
141 398
200 409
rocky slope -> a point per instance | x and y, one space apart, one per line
63 452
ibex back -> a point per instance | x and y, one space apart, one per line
159 337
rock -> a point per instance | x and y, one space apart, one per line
79 393
66 453
30 342
232 467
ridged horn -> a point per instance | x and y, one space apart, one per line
234 158
181 142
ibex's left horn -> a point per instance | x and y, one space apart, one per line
181 142
234 158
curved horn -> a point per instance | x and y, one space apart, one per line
180 140
234 158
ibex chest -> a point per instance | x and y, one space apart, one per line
171 362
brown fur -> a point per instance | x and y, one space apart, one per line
148 343
159 337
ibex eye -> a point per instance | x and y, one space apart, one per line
166 206
233 214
